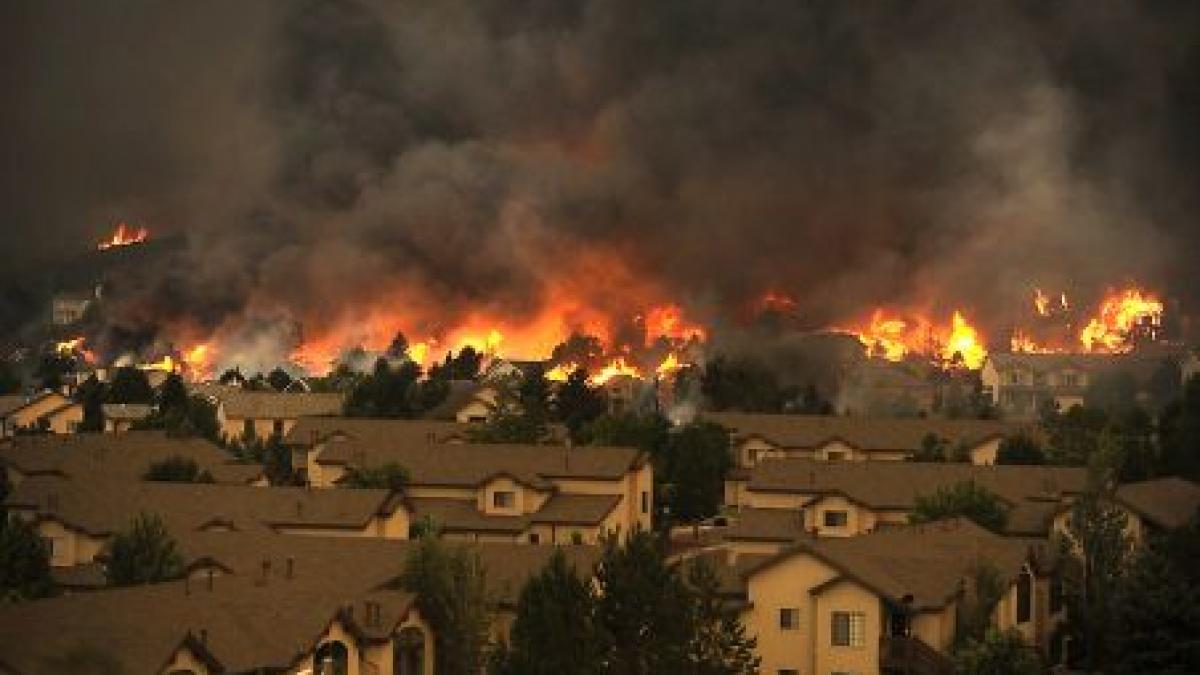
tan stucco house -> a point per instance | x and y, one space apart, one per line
259 415
49 411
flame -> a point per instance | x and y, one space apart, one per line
124 235
894 338
1041 303
418 351
166 364
561 372
669 365
666 321
1120 312
963 344
615 368
75 347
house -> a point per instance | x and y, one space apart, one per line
79 518
261 604
844 499
1021 384
757 436
120 417
258 415
466 401
48 411
67 309
883 602
307 437
498 492
127 457
1151 507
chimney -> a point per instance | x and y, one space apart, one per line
290 569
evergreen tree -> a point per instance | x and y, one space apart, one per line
644 608
966 499
129 385
933 448
390 476
24 561
577 403
91 395
279 379
1020 449
144 554
997 653
10 382
1097 549
1156 617
176 469
1180 433
719 644
450 585
555 632
173 396
694 467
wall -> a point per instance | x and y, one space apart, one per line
845 596
786 584
72 547
184 660
67 421
936 627
858 520
984 454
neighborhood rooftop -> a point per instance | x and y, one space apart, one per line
866 433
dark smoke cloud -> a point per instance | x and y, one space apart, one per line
847 153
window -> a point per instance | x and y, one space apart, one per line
836 518
788 671
502 499
535 538
577 538
54 546
835 455
789 618
277 427
847 629
1056 594
1024 597
645 502
248 429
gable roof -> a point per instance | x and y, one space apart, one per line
119 457
250 620
240 403
10 402
897 484
14 406
470 465
1167 503
461 393
308 431
101 508
132 412
919 566
865 433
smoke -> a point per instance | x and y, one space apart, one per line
331 160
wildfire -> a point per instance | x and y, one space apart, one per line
75 347
561 372
1120 313
669 365
615 368
893 338
124 235
667 321
166 364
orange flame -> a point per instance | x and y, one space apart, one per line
666 321
1120 313
166 364
75 347
124 235
615 368
669 365
894 338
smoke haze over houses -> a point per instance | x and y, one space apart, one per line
326 160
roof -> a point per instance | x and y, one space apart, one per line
896 485
132 412
119 457
865 433
250 619
461 393
1141 364
244 404
101 508
311 430
920 566
9 405
1167 503
574 508
10 402
470 465
752 524
461 515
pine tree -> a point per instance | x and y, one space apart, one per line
451 590
720 645
555 632
144 554
24 561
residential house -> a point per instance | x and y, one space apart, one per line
258 415
125 457
466 401
79 518
844 499
1020 385
48 411
1151 507
883 602
261 604
532 493
120 417
821 437
307 438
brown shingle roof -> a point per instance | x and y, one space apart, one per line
926 562
104 507
1167 503
866 433
896 485
461 515
132 412
375 431
10 402
243 404
576 509
753 524
473 464
121 457
461 393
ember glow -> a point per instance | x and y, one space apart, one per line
890 336
1120 313
1112 328
124 235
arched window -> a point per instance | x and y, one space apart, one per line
408 650
331 658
